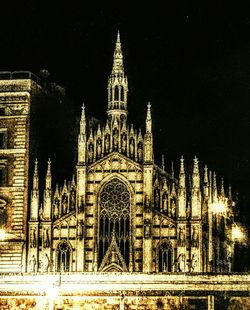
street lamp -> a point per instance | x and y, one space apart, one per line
238 234
219 207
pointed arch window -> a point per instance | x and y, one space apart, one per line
114 218
63 256
165 257
116 98
122 94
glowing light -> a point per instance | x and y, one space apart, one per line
2 234
238 234
219 207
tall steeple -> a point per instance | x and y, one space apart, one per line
35 194
117 85
82 138
47 194
148 138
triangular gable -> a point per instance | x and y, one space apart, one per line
113 260
114 156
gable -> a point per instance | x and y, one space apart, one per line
115 162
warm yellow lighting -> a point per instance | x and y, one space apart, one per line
219 207
238 234
2 234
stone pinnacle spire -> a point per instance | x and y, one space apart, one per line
48 175
117 84
118 57
182 173
149 119
35 176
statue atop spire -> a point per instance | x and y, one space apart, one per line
117 85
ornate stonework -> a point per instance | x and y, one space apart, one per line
120 213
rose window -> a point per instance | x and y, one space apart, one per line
114 199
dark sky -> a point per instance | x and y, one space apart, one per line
191 59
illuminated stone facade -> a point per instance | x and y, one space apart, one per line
122 212
16 92
124 233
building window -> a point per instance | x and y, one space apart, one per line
63 257
122 94
2 111
3 138
114 218
3 213
165 257
3 173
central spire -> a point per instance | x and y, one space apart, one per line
118 58
117 85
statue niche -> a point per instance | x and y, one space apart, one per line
131 147
91 152
140 152
181 237
115 139
107 143
124 143
99 148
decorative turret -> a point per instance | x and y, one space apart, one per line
222 190
48 176
182 191
215 196
47 194
162 163
206 183
117 86
182 174
196 195
148 139
196 175
82 138
35 194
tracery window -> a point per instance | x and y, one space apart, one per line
63 257
165 257
114 218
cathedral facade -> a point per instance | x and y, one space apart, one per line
121 212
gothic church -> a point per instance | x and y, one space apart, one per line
121 212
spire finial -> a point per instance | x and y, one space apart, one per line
49 167
205 175
35 176
118 57
172 170
196 165
214 188
230 192
222 191
182 174
163 162
36 167
149 119
182 165
118 37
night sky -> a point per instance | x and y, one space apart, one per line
190 59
